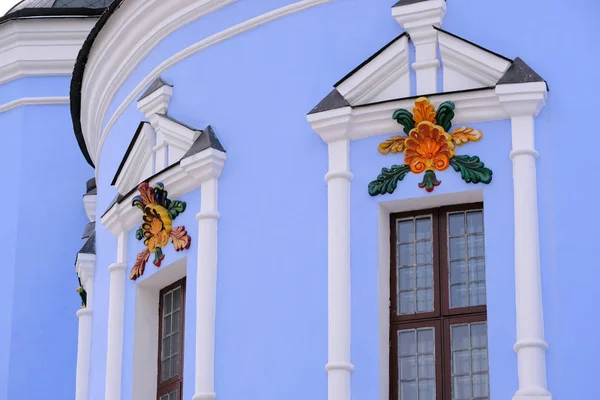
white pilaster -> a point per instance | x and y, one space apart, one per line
339 367
418 19
85 270
206 288
116 310
522 102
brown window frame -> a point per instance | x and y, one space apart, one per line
175 382
442 315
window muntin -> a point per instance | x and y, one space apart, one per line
170 338
451 255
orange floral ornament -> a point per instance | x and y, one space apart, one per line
429 148
157 228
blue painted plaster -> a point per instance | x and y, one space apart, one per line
35 86
255 89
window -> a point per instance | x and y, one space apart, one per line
438 328
170 345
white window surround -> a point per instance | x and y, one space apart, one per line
139 163
145 351
520 102
201 170
84 266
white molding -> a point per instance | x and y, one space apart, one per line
206 289
179 180
523 102
84 266
93 132
116 315
139 162
147 293
372 120
89 203
33 101
173 140
383 78
466 66
45 46
418 20
156 102
339 367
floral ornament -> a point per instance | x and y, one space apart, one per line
428 147
157 229
82 295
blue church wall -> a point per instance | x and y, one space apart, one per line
36 86
46 177
255 90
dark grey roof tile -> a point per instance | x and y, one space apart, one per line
89 247
89 229
332 101
207 139
157 84
520 72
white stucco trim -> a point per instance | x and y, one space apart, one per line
33 101
93 115
84 266
384 77
89 203
418 20
147 296
523 102
139 162
519 102
41 46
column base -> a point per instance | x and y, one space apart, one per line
205 396
532 394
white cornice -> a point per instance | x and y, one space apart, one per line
89 203
139 160
468 66
376 119
46 46
102 92
85 266
188 175
28 101
130 34
418 19
384 77
522 99
156 102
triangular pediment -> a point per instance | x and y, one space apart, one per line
385 76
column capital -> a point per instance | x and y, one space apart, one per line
419 18
522 99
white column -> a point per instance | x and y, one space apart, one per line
418 19
339 367
85 270
83 353
116 310
206 291
523 102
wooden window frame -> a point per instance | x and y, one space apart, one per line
442 315
175 382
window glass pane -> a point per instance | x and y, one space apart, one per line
175 321
407 302
477 294
166 347
416 364
475 222
407 343
458 272
457 248
424 300
466 262
425 276
177 299
456 224
476 246
458 296
406 231
174 365
406 278
424 228
408 390
166 370
426 389
469 361
424 252
406 254
164 397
